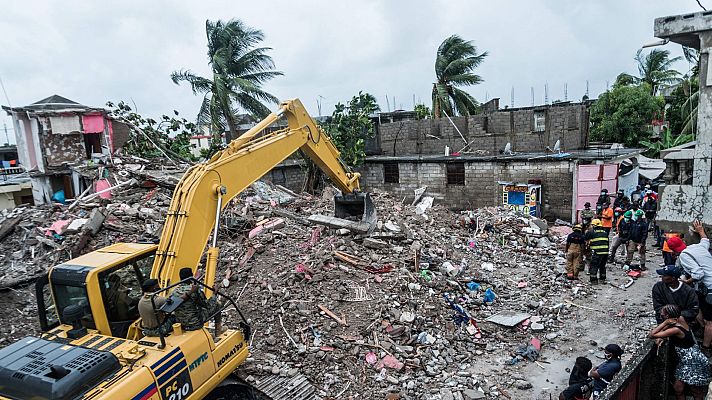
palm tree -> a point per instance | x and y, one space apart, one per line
655 69
667 140
239 70
454 64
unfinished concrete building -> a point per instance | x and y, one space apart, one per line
687 195
56 137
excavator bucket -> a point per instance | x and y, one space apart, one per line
356 206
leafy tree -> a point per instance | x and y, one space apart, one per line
682 112
624 114
169 137
655 69
422 111
624 79
238 71
349 126
667 140
455 62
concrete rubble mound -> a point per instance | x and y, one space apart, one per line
432 304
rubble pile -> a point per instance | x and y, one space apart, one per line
429 304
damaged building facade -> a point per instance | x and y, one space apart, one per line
531 158
57 137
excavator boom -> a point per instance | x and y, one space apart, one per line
207 188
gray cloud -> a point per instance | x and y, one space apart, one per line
93 52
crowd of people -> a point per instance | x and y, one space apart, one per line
682 299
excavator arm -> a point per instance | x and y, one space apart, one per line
206 188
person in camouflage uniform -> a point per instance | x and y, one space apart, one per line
196 309
153 322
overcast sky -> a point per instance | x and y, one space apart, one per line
96 51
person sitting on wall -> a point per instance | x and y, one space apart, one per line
604 373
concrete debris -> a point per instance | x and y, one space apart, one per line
407 311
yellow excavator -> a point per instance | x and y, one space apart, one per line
92 345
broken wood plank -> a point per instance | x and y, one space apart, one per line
332 315
8 226
292 216
333 222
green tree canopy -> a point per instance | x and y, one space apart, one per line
655 69
666 140
349 126
455 62
239 69
624 114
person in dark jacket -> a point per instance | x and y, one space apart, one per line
669 290
579 382
621 200
603 198
622 236
597 239
638 236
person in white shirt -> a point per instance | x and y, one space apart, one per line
696 261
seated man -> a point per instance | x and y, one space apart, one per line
153 322
195 310
579 382
118 299
604 373
669 290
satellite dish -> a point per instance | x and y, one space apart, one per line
508 149
557 146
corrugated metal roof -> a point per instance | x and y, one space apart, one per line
286 388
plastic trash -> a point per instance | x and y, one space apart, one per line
473 286
58 196
489 296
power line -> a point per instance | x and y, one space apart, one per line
5 91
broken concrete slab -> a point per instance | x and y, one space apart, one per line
508 318
338 223
375 243
77 224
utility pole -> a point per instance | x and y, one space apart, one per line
7 136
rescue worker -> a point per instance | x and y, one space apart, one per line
597 239
638 236
603 198
575 243
621 200
153 322
622 236
607 217
604 373
196 309
650 207
587 216
617 216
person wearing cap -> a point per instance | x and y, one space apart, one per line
669 257
696 261
693 368
575 243
622 234
638 236
617 216
604 373
587 215
669 290
597 239
153 322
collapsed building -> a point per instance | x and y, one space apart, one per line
56 137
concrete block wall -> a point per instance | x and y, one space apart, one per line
489 132
481 188
290 176
61 149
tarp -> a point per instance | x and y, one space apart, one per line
93 123
649 168
65 124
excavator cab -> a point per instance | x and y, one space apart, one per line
355 206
